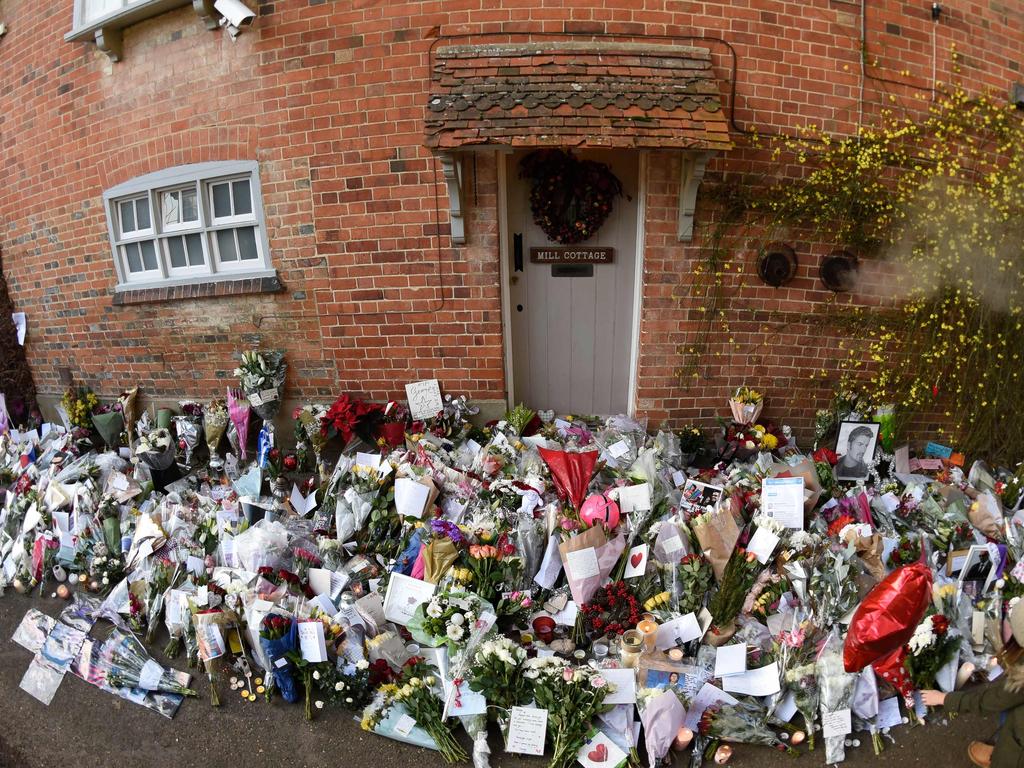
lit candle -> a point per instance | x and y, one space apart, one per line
675 654
682 740
723 754
649 629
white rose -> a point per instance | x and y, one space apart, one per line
316 675
362 664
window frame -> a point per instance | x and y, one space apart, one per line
202 177
132 13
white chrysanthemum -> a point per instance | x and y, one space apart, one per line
434 610
455 632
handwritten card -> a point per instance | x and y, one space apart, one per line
680 630
618 450
424 399
403 595
404 725
311 641
838 723
371 460
635 498
527 730
624 681
782 498
636 562
582 564
410 497
460 701
730 660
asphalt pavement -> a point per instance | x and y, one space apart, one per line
85 727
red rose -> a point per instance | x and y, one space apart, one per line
290 463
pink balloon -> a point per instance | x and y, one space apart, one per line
600 509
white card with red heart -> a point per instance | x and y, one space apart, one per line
601 752
636 562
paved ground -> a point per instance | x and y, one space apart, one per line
86 727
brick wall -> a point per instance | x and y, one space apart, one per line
330 98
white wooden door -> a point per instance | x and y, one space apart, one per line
572 337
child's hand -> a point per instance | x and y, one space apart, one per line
933 698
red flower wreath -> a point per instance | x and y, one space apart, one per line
612 610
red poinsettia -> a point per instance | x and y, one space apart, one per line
348 416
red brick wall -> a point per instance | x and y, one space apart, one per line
329 98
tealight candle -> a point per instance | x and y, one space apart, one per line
675 654
723 754
600 651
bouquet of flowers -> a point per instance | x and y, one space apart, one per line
79 405
691 442
416 691
156 449
448 618
187 426
930 648
392 424
746 405
835 692
725 605
572 697
279 638
262 376
689 583
492 566
132 667
742 723
215 424
238 410
612 610
308 437
109 422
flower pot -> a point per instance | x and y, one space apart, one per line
393 433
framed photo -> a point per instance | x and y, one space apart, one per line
979 569
699 497
855 448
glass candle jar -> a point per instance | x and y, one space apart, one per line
631 647
649 629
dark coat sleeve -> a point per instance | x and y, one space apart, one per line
989 699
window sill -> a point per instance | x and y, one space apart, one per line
126 295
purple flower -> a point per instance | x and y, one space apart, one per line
448 529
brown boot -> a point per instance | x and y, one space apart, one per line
980 754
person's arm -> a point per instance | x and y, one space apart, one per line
988 699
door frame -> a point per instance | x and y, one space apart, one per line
501 161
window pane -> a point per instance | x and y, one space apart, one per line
243 197
94 9
148 254
170 205
247 243
189 206
131 253
176 247
142 212
127 216
226 245
195 250
221 200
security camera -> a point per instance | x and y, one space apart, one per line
235 14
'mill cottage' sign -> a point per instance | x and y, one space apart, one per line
571 254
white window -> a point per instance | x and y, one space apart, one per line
193 223
90 13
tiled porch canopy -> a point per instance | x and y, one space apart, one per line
575 94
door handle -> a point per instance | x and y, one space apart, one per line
517 251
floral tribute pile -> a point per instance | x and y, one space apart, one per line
543 582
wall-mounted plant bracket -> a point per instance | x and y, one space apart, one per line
690 177
451 166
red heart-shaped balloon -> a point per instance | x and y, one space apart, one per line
598 754
636 558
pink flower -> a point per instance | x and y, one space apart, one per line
568 524
527 602
597 681
567 674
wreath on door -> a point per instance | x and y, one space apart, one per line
570 198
